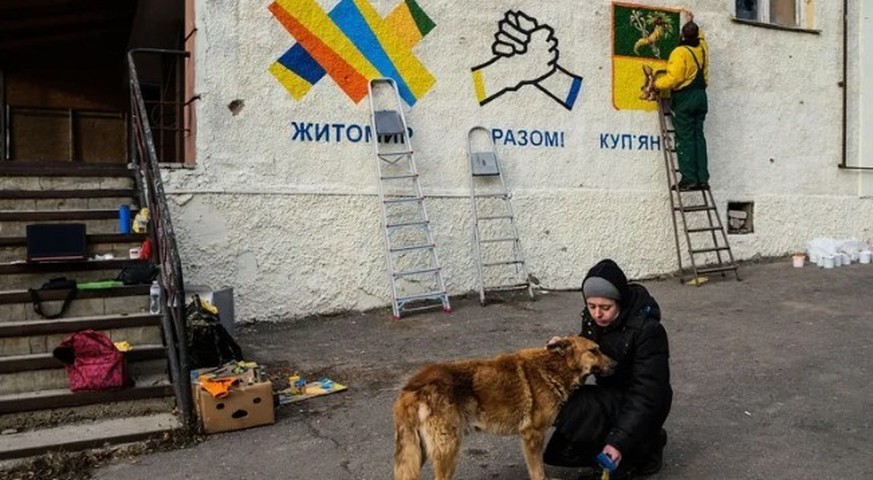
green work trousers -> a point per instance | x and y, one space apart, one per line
689 111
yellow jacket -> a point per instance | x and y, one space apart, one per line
681 68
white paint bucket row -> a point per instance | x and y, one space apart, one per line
834 260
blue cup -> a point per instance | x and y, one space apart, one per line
124 219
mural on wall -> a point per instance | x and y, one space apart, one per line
643 37
352 44
525 53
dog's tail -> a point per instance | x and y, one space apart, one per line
409 454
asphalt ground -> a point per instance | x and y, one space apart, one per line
772 380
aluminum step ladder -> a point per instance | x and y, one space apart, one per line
500 260
417 281
704 235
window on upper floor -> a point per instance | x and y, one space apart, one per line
783 13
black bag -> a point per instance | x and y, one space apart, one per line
138 274
59 283
209 344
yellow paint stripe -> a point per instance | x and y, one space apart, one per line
314 19
295 85
401 22
413 72
479 85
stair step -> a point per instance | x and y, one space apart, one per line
72 266
22 296
45 361
409 248
70 325
63 169
35 216
75 193
62 398
86 435
93 239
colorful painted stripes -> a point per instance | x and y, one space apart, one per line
352 44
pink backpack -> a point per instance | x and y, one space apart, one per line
92 362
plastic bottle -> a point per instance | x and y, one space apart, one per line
124 219
155 298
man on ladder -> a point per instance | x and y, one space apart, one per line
686 78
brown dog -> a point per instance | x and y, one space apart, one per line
512 394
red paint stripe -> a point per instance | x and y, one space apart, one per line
348 79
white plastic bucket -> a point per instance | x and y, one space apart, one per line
829 261
864 256
797 260
838 260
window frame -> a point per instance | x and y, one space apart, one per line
764 20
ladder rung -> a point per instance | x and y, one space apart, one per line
708 250
403 199
406 224
421 296
399 177
491 195
411 247
497 217
507 262
703 229
395 154
416 272
694 208
716 269
495 240
517 286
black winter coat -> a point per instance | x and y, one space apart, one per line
638 343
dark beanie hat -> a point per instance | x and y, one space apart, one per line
606 280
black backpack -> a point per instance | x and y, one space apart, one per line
209 344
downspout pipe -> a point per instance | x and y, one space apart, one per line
845 84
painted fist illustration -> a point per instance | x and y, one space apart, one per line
525 53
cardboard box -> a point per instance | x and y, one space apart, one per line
245 406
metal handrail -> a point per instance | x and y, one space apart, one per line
144 156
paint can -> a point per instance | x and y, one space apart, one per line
847 260
797 260
864 256
829 261
838 259
134 252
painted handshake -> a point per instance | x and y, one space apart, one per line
525 53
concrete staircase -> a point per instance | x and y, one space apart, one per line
35 401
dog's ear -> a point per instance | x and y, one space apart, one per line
560 347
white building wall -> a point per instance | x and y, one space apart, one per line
292 224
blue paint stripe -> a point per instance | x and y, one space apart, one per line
574 92
347 17
299 61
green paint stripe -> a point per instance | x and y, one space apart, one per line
422 21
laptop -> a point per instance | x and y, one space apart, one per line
56 242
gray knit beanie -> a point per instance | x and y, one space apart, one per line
600 287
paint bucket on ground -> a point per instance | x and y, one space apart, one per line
828 261
864 256
838 260
797 260
847 259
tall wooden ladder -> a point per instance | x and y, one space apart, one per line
413 264
703 233
500 259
